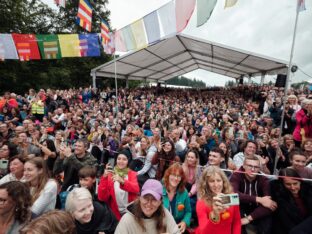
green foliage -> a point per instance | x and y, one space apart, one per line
299 85
230 83
33 16
183 81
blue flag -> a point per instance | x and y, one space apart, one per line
89 45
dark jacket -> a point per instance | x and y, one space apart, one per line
71 166
103 220
287 214
248 191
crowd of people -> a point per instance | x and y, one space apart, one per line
156 160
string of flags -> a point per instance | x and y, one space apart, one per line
27 47
164 22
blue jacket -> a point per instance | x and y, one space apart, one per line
181 198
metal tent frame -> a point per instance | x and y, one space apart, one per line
181 54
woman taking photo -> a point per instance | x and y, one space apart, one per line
16 170
175 196
164 158
118 186
15 202
90 217
139 152
294 203
213 216
147 215
43 190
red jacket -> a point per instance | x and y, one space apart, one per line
231 225
106 191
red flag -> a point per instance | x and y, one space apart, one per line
184 10
84 17
104 32
26 46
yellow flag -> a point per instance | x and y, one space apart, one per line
139 34
69 44
229 3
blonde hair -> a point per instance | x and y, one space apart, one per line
203 190
74 196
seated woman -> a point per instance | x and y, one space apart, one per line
164 158
42 189
213 216
15 202
56 222
175 196
139 153
7 151
118 186
147 215
16 169
298 162
191 172
294 203
90 217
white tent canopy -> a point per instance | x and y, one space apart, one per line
181 54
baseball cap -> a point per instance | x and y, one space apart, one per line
153 187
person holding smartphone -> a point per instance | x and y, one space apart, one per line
213 215
256 203
119 185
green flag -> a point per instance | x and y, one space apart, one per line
49 46
204 10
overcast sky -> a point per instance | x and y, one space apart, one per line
261 26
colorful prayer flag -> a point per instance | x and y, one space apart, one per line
84 17
109 47
70 45
1 51
61 3
120 44
204 10
301 5
49 46
128 38
104 31
8 50
229 3
89 45
167 19
26 46
152 27
184 10
139 33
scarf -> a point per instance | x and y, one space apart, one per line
121 172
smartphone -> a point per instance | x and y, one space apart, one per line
231 199
4 164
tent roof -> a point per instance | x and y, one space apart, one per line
181 54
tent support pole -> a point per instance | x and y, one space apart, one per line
93 80
116 85
127 82
287 84
262 78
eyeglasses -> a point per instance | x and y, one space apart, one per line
149 199
251 167
176 176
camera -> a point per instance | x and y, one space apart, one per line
231 199
4 164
